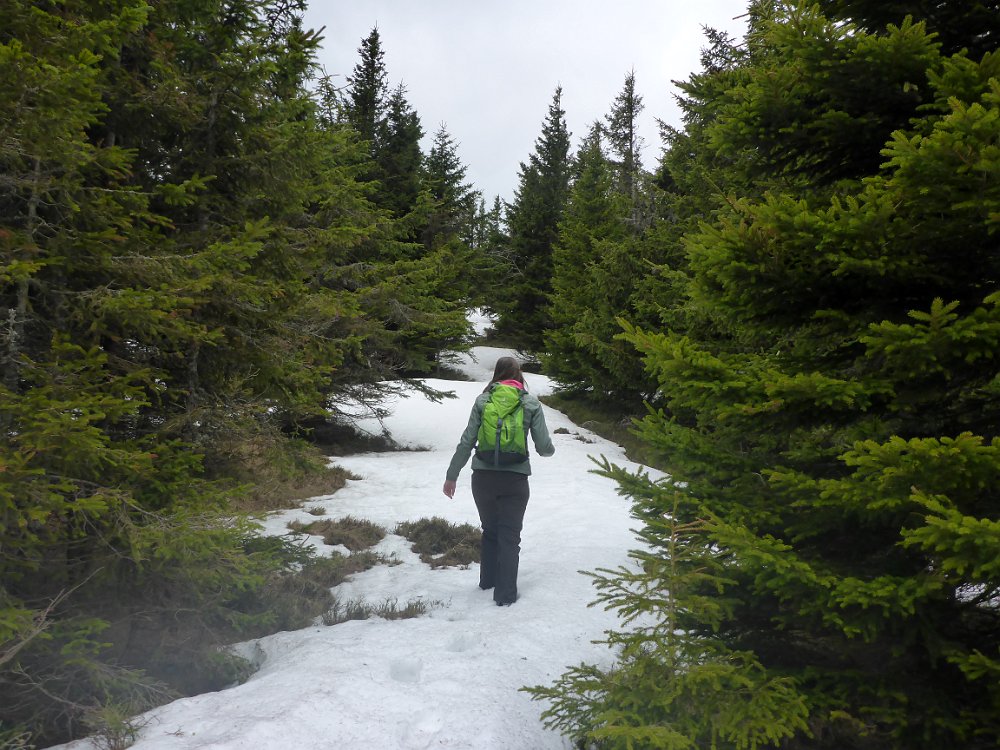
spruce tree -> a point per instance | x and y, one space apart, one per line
368 92
413 292
492 246
593 225
190 266
495 238
392 130
533 222
829 400
99 500
399 156
454 198
480 223
973 26
622 131
602 253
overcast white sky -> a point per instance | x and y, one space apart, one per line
487 70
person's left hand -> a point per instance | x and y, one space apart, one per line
449 487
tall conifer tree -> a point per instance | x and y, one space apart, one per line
622 132
592 223
189 266
399 156
493 245
599 261
829 415
412 288
454 198
533 221
368 91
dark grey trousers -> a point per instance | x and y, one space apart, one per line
501 497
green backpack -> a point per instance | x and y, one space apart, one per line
502 440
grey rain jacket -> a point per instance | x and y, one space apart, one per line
534 424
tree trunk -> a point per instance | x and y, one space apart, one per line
17 315
210 119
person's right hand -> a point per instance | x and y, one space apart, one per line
449 487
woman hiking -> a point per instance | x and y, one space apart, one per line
502 417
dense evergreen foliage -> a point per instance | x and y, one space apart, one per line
606 242
972 25
592 227
194 262
455 201
532 223
200 258
821 569
622 131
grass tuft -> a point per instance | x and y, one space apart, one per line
296 597
441 544
354 533
274 471
15 738
389 609
113 726
366 559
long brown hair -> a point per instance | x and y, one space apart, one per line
506 368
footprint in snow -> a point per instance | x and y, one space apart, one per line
420 733
461 642
406 670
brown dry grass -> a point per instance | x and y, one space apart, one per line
279 493
273 471
354 533
441 544
361 609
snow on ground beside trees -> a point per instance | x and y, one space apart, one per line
450 678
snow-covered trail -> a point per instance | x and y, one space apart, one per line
451 678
